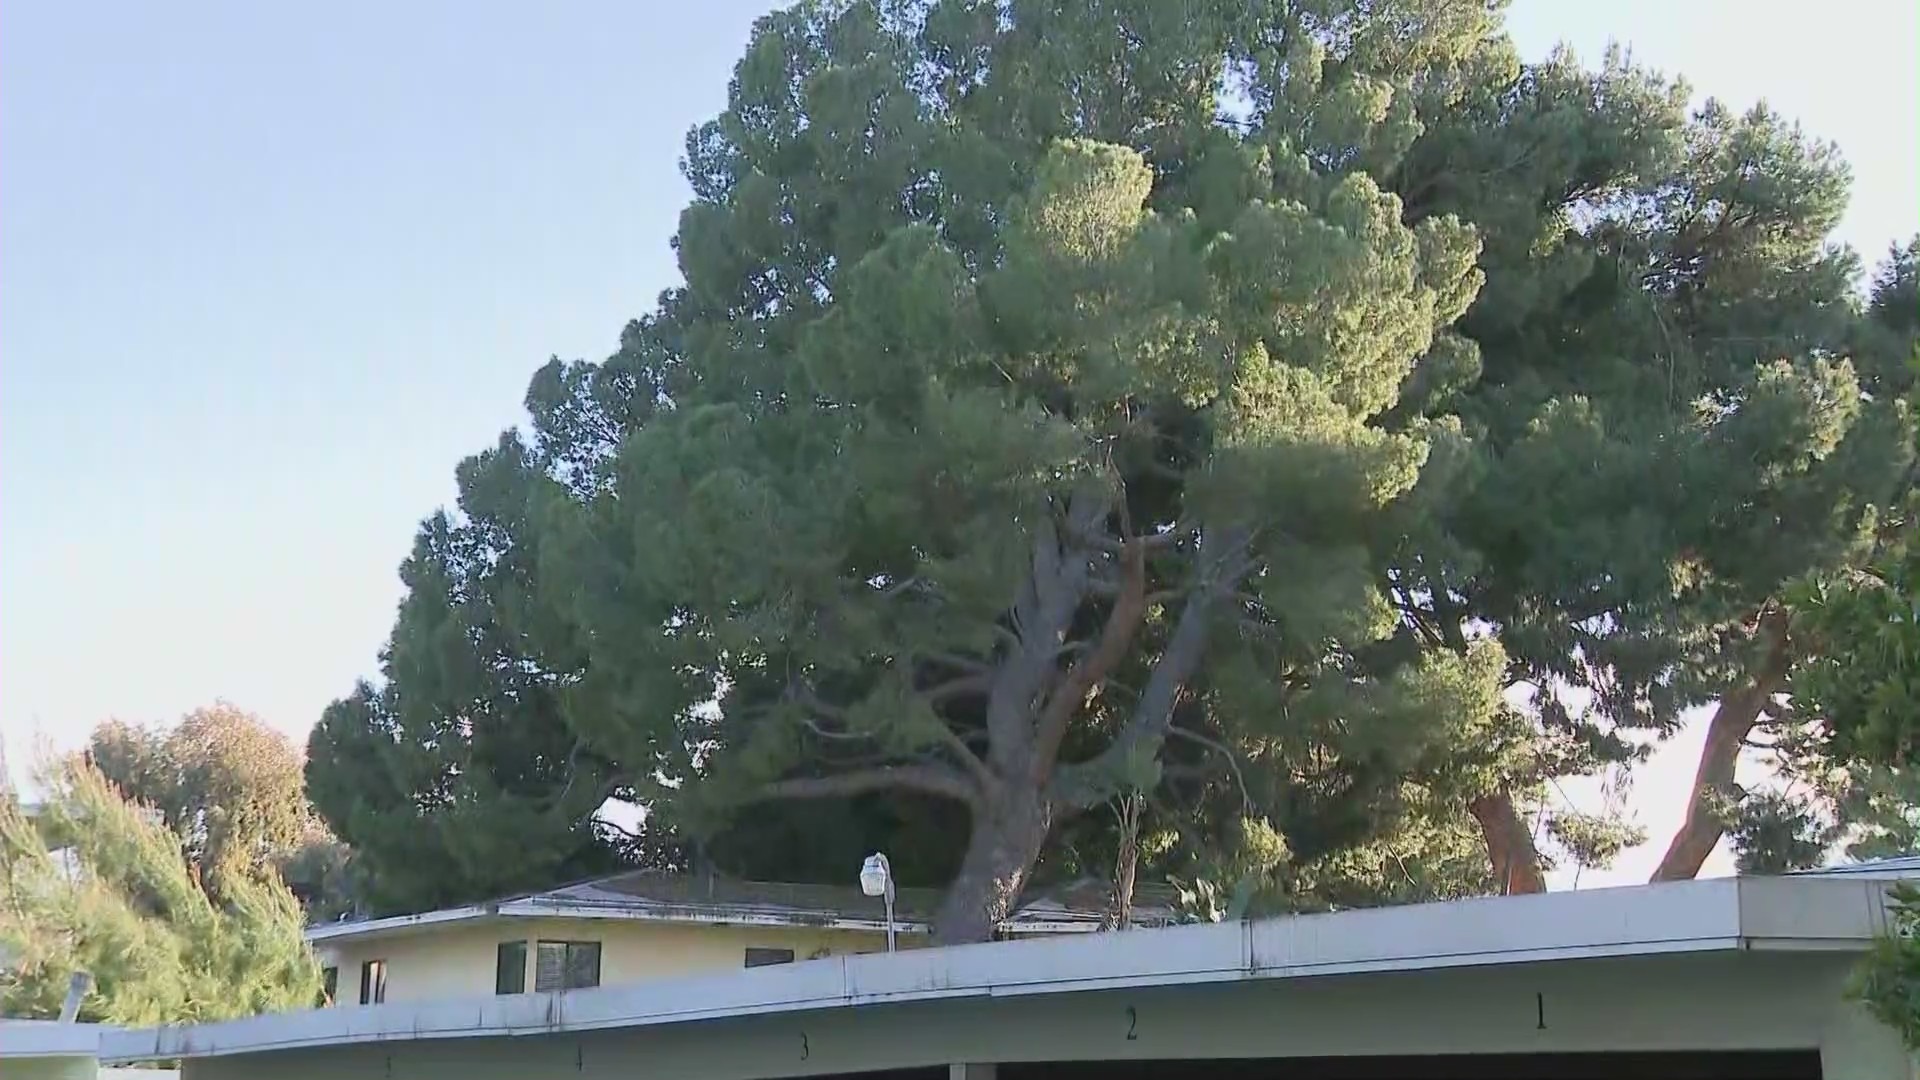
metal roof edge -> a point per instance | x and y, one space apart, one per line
48 1039
341 931
715 915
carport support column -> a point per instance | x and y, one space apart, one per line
973 1071
1855 1046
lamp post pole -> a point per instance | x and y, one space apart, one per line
876 879
890 941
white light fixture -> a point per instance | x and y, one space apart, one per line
876 879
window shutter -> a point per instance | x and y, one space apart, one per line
583 964
510 968
768 957
550 966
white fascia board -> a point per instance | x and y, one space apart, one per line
1698 917
48 1039
534 909
684 915
345 931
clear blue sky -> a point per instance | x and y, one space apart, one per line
267 273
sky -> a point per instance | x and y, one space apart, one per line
266 277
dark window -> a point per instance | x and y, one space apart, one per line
373 982
566 965
510 968
329 985
768 957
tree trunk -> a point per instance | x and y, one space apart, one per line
1516 863
1005 840
1126 863
1713 788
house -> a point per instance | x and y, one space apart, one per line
647 925
1704 980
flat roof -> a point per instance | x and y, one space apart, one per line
1729 914
48 1038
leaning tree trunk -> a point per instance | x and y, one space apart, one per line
1516 862
1713 787
1005 840
1126 863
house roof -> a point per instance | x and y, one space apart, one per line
1899 866
1726 915
657 896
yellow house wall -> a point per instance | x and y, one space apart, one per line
458 961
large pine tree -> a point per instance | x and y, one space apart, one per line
1243 404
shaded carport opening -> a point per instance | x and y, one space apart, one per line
1725 1065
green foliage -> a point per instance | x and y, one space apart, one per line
1864 683
226 783
96 883
1889 982
1850 744
1244 403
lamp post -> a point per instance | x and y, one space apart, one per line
876 879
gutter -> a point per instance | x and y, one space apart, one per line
394 923
529 909
534 909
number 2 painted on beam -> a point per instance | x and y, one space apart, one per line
1133 1024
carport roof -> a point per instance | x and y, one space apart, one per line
1785 913
46 1038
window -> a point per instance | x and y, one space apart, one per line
768 957
373 982
566 965
510 968
329 986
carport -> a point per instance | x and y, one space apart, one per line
1702 980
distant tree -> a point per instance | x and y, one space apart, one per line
96 883
228 784
322 874
1843 727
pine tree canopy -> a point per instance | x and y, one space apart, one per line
1299 411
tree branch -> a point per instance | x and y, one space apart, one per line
1088 671
958 687
983 777
1233 760
1510 846
969 664
1048 599
1733 720
927 779
838 736
1222 568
